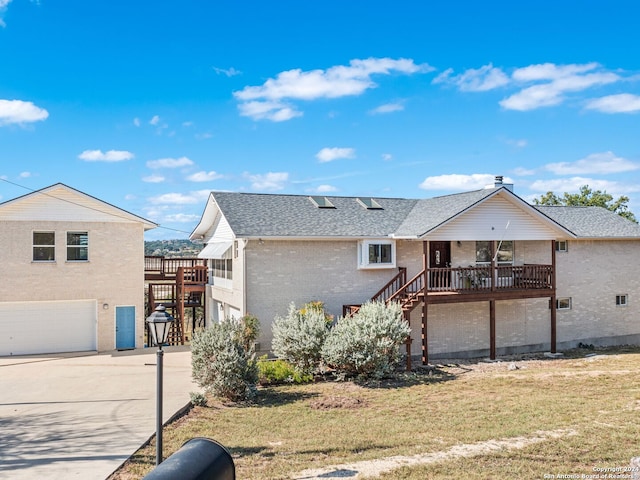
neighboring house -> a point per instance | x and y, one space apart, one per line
478 273
72 270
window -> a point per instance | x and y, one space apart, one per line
77 246
562 246
321 202
376 254
44 246
622 300
563 303
223 267
369 203
504 256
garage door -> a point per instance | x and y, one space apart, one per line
47 327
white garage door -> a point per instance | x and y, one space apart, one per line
47 327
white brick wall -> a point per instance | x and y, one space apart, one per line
114 274
592 273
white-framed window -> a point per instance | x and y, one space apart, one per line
562 246
563 303
222 268
376 254
77 246
44 246
622 300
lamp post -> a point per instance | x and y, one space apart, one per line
159 323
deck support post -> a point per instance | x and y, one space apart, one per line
425 303
425 338
492 329
553 297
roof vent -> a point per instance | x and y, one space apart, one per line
369 203
499 180
321 202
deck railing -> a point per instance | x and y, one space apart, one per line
158 267
485 278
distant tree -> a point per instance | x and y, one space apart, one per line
591 198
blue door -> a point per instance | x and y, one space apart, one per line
125 328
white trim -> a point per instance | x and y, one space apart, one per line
568 299
363 254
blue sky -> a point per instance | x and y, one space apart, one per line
151 105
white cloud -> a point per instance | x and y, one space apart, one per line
153 179
335 82
330 154
560 79
155 120
25 175
523 172
229 72
268 181
621 103
387 156
109 156
573 184
20 112
136 122
516 142
204 176
3 7
265 110
600 163
180 198
169 163
387 108
460 182
482 79
325 189
181 218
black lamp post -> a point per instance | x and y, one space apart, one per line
159 323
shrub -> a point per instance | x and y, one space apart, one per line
298 338
279 371
367 344
221 362
198 399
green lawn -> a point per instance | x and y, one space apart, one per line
591 403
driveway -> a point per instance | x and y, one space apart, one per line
82 415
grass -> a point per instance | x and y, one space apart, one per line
292 428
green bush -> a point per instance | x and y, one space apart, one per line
298 338
278 371
223 360
367 344
198 399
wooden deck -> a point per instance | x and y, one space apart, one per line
179 284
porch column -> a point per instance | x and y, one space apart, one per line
553 297
425 308
492 329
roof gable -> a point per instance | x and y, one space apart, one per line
60 202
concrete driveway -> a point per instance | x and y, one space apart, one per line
81 416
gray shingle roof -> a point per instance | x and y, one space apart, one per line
272 215
591 222
254 215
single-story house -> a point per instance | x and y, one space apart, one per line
72 270
477 273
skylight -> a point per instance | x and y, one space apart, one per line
369 203
321 202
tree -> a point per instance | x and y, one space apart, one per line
592 198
